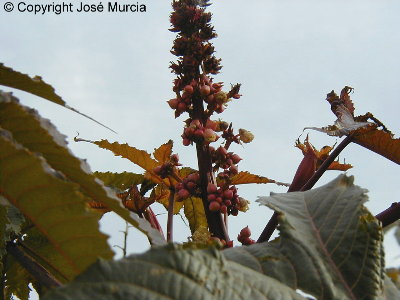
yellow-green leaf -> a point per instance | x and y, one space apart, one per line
138 157
163 153
380 142
246 177
161 195
120 181
36 86
194 212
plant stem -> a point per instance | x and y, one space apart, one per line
327 162
152 219
33 267
389 215
3 279
214 219
125 239
170 221
273 222
44 261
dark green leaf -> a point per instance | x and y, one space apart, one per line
330 245
172 273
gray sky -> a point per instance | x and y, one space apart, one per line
287 54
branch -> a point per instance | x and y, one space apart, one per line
33 267
125 232
170 221
390 215
273 222
325 165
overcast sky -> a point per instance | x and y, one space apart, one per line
287 54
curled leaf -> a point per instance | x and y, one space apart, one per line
343 108
371 135
321 155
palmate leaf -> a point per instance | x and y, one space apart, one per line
35 86
195 214
137 156
163 153
330 245
161 195
54 205
38 135
245 177
172 273
121 181
379 142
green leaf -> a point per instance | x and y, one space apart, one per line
35 86
18 280
194 212
11 221
53 204
121 181
172 273
38 135
330 245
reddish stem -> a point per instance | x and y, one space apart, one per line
38 272
273 222
170 220
150 216
214 219
389 215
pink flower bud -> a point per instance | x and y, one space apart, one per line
181 107
245 232
173 103
211 188
228 194
236 158
205 90
188 89
183 194
214 206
